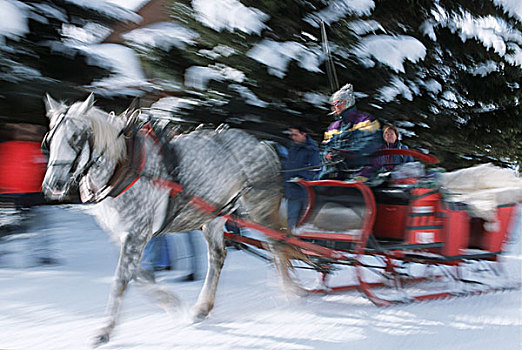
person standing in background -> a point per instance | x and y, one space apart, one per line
22 169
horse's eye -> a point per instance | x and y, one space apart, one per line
75 141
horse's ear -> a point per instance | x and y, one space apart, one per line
134 105
50 105
86 105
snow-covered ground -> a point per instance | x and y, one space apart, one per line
61 306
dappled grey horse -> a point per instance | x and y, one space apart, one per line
124 170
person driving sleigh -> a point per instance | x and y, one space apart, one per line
350 140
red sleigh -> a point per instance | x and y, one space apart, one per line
402 242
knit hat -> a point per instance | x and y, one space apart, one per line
345 93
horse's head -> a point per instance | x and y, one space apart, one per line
69 145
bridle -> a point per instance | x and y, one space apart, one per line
125 173
77 144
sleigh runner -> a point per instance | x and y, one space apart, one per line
402 242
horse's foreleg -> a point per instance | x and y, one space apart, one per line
213 232
130 255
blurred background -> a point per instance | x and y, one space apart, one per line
446 72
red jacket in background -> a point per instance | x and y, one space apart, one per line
22 167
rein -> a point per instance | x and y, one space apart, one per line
313 167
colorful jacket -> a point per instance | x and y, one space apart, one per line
300 155
357 132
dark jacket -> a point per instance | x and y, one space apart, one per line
300 155
357 132
389 162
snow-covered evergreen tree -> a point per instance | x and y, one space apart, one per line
36 55
447 72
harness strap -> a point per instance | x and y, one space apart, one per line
128 171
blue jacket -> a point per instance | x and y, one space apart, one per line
300 155
389 162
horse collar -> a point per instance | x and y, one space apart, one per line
128 171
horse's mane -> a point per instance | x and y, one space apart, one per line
106 129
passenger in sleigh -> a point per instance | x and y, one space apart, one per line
350 140
399 168
391 137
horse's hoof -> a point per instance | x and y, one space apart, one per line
199 314
189 278
100 340
197 318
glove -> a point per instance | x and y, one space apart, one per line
340 155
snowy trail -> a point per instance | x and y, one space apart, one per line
61 306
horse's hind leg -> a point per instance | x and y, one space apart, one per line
263 207
130 256
213 232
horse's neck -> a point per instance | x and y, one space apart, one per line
153 166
